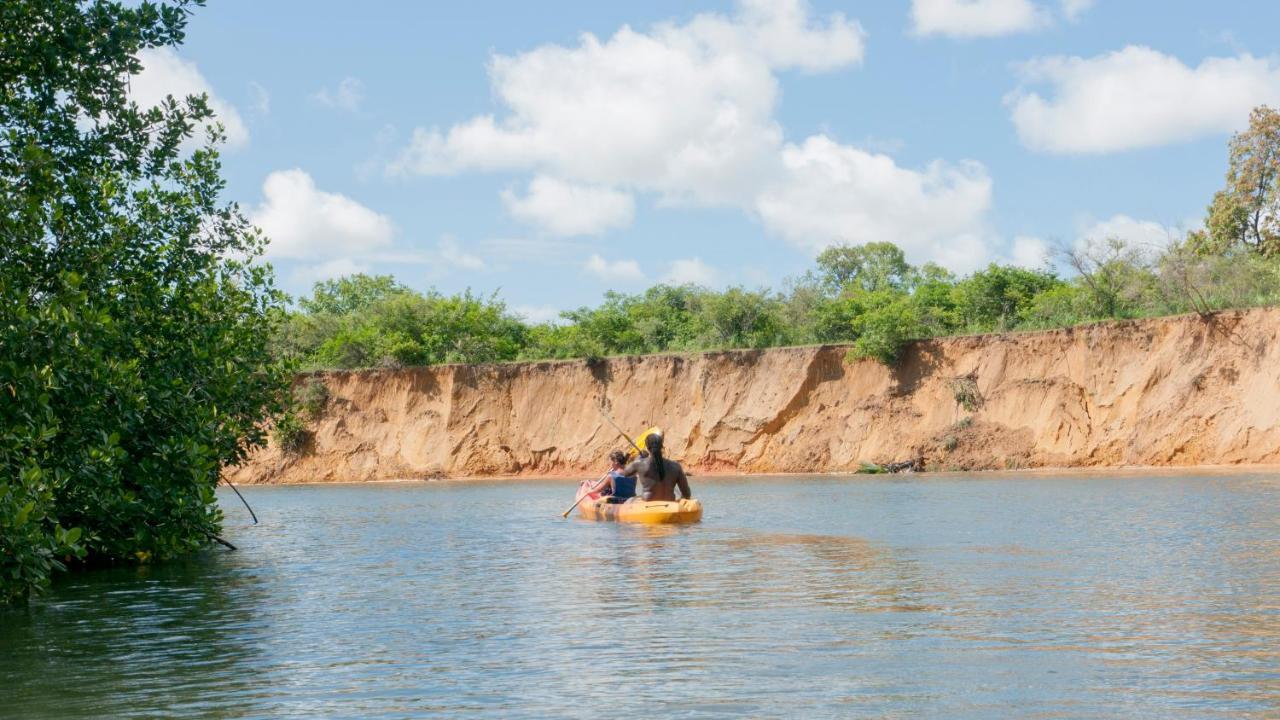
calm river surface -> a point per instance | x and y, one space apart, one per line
935 596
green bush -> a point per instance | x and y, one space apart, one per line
310 398
999 297
884 330
290 433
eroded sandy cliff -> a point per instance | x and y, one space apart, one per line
1174 391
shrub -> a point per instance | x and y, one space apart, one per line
290 433
310 398
965 391
886 328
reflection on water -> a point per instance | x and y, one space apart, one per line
824 597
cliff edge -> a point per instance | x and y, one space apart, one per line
1184 390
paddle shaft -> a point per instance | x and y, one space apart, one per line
620 432
584 496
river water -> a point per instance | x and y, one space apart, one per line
930 596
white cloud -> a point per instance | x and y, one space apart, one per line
306 223
684 110
617 270
451 253
164 73
836 193
346 96
1144 234
977 18
565 209
339 267
1073 9
1029 252
537 314
261 98
690 271
1137 97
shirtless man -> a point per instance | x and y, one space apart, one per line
658 476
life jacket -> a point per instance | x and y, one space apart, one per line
623 487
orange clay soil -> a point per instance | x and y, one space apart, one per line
1171 391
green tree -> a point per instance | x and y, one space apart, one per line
359 321
999 297
134 316
871 267
739 318
349 294
890 321
1246 213
1113 276
934 299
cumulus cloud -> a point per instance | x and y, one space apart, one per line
989 18
348 95
684 110
617 270
1029 252
565 209
164 73
976 18
835 193
690 271
687 112
1137 233
305 222
1136 97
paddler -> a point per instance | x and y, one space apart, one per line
659 477
616 487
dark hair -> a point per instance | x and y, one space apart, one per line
653 444
618 457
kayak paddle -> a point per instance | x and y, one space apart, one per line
615 427
584 495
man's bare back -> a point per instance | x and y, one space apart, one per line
654 488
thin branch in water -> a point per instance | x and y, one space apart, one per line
220 541
252 514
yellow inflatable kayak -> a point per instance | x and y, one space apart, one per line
636 510
647 512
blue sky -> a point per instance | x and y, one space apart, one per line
555 150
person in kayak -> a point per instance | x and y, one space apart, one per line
618 488
659 477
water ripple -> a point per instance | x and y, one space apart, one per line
822 597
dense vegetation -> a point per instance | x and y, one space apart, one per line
134 320
867 295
